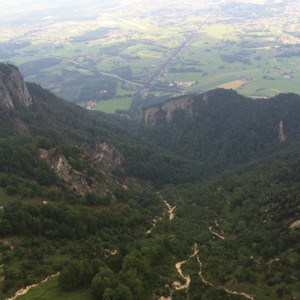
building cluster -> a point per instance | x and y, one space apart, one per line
91 105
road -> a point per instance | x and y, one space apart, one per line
96 70
176 52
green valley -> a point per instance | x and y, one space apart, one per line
195 198
125 51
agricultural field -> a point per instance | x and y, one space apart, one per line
112 53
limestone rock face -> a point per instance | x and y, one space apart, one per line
13 89
64 170
106 157
152 115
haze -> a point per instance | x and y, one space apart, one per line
118 51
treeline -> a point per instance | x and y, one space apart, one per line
61 221
35 66
241 56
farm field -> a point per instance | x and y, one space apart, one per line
87 51
111 105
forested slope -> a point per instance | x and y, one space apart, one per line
199 202
221 128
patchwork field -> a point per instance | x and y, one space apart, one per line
232 84
86 51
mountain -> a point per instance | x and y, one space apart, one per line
14 92
93 136
221 128
197 198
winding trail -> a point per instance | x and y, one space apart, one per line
170 210
220 287
176 284
155 220
24 290
181 286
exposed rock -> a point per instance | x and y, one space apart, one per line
149 115
13 89
295 225
184 104
282 136
106 157
63 169
166 111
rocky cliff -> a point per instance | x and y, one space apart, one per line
150 116
221 127
13 89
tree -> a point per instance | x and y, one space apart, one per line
108 294
99 285
122 292
103 280
71 275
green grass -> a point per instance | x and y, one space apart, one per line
121 91
219 30
110 106
50 291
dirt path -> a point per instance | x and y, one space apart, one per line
177 285
215 233
170 210
180 286
155 220
24 290
220 287
109 252
273 260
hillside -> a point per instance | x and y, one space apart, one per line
198 199
221 128
82 135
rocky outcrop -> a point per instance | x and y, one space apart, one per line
185 104
282 136
106 157
295 225
150 116
13 89
58 162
